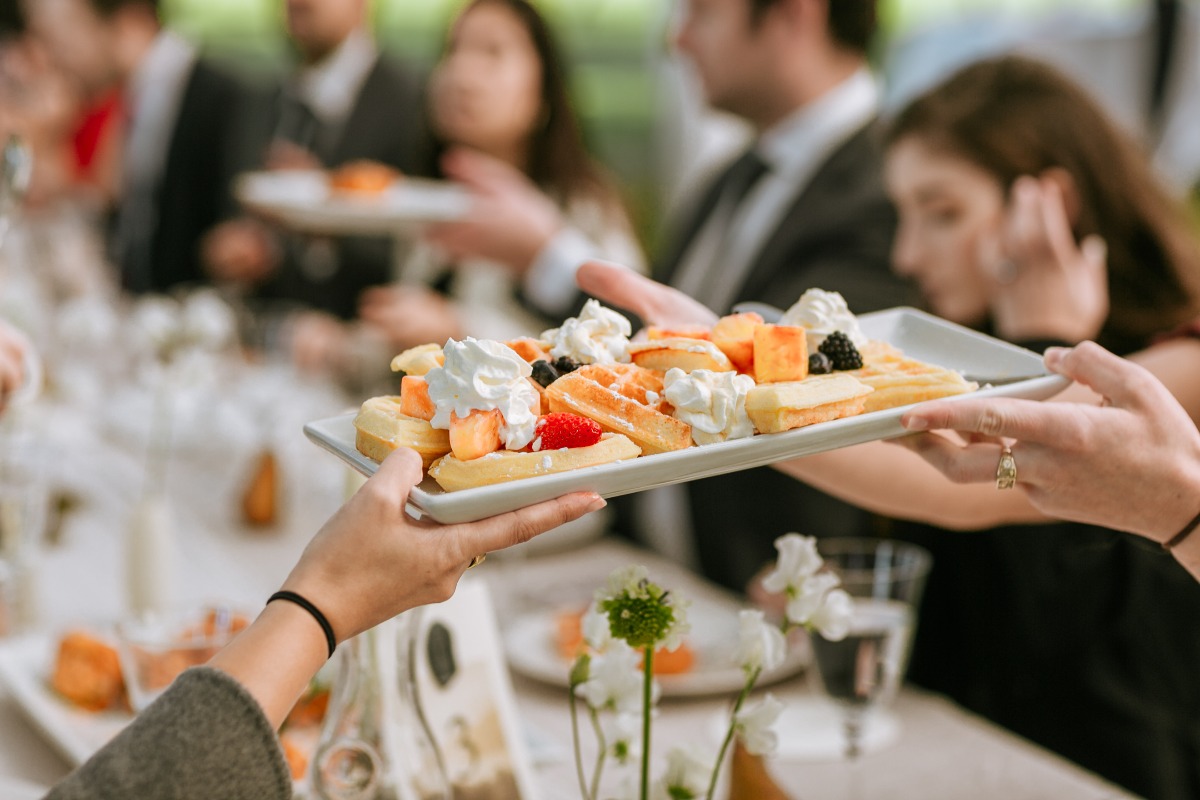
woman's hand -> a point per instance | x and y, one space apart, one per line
406 316
1045 286
653 302
1132 464
510 221
372 561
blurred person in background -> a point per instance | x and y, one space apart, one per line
804 206
343 102
1005 178
503 126
178 153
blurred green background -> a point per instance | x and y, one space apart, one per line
611 46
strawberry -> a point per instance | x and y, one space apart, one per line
559 430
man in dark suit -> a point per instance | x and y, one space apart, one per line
803 207
344 102
178 155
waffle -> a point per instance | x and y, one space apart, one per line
380 428
900 381
584 392
776 407
679 353
508 465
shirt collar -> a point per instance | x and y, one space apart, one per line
812 130
170 57
330 86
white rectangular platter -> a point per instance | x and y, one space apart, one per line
301 200
918 334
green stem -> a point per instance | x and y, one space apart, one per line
601 755
583 787
737 706
647 686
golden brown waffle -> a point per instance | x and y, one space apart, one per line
380 428
581 393
508 465
775 407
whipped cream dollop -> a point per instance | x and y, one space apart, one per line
598 335
823 313
481 376
713 403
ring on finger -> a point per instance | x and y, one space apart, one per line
477 560
1006 470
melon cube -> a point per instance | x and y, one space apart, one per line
414 398
734 335
780 353
476 434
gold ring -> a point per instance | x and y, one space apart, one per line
477 560
1006 470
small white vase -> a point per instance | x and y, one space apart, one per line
149 555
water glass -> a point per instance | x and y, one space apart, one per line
863 671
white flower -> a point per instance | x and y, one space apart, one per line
623 733
680 627
806 598
629 581
688 773
155 321
753 726
833 618
208 321
760 646
614 679
798 559
595 628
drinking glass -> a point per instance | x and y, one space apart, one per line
863 671
24 502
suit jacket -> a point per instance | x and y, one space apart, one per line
837 235
194 190
384 125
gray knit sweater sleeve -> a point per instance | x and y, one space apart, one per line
204 738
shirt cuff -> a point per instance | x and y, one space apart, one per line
549 284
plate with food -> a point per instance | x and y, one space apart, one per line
360 198
75 688
543 644
502 425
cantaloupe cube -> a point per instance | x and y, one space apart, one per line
734 335
780 353
475 435
414 398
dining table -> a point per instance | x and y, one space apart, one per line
80 579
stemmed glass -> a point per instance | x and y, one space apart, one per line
16 171
863 671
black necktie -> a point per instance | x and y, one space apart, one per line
741 177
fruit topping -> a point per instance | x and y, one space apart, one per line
561 429
565 364
819 364
841 351
544 373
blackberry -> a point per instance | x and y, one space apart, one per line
544 374
819 364
564 365
841 351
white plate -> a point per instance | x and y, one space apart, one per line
301 199
76 734
919 335
530 646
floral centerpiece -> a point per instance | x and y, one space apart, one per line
632 618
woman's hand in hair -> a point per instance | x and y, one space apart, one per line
1046 286
510 221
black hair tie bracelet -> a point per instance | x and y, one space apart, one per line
292 597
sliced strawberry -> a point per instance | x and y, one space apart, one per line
560 429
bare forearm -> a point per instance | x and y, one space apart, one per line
888 480
275 658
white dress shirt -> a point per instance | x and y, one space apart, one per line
723 253
331 86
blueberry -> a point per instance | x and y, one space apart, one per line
819 364
565 365
544 374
